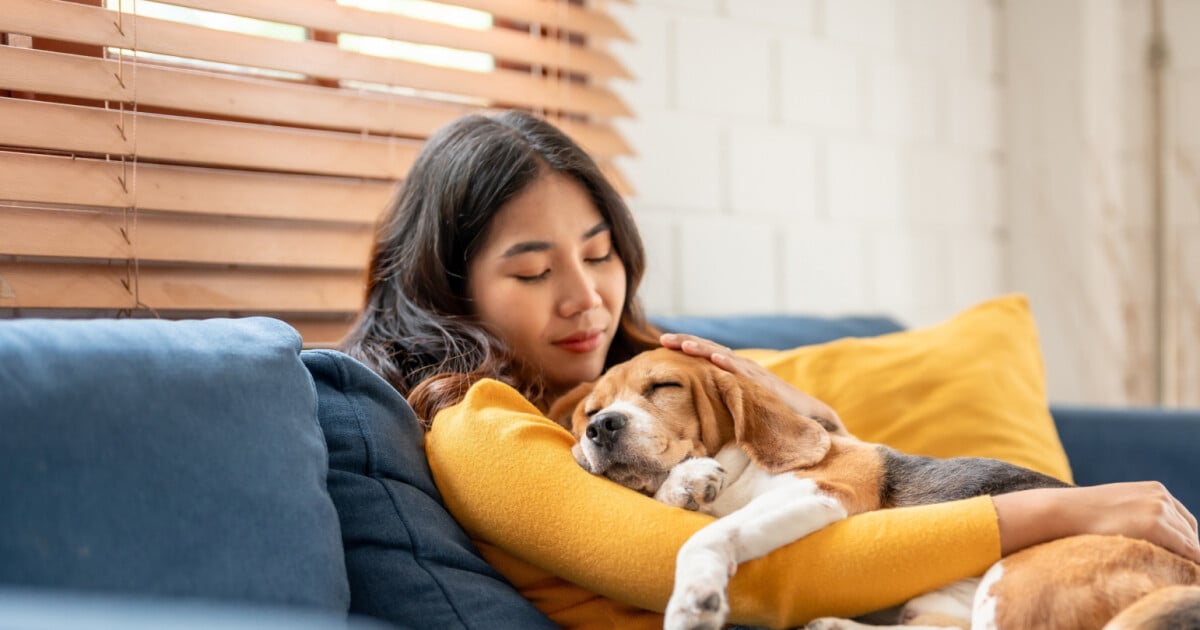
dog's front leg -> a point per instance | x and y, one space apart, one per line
789 511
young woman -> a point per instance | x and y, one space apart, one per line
504 273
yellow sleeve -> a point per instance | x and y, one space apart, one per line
507 474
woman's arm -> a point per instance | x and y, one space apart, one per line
508 476
1142 510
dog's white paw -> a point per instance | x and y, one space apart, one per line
697 606
692 484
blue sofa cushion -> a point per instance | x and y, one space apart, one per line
778 332
408 561
1131 444
175 459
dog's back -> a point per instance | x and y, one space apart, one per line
916 480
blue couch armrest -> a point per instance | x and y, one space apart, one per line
1133 444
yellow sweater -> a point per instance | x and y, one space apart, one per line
592 554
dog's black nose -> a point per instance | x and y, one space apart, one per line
602 430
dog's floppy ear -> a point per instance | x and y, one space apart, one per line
564 408
774 436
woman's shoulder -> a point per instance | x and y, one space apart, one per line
491 415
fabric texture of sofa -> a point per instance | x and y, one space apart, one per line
216 474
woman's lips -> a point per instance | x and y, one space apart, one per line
584 342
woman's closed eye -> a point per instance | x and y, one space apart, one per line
529 279
600 259
532 278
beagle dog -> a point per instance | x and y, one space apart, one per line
680 429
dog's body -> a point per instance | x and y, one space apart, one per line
694 436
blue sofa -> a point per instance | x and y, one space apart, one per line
212 473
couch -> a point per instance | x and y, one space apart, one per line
198 474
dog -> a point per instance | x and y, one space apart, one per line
682 430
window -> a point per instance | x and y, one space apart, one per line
193 158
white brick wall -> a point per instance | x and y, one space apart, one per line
827 156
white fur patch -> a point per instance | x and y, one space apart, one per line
984 615
953 600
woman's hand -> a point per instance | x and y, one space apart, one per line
725 359
1144 510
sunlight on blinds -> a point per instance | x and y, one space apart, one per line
195 158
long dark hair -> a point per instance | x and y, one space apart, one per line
417 328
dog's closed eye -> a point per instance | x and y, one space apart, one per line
658 385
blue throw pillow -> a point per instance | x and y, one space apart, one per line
408 560
176 459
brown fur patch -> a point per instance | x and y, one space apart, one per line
851 472
1093 578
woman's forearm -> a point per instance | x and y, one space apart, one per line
1142 510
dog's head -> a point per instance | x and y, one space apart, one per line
644 416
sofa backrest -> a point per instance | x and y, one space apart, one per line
777 332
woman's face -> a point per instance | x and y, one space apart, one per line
548 281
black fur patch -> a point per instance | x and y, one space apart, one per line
829 425
917 480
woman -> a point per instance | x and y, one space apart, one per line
505 272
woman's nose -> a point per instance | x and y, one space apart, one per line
578 293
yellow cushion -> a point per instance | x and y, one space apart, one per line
970 386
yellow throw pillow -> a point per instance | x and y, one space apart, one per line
970 386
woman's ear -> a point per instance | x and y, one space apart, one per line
564 408
772 434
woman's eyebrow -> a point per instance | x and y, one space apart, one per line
526 247
540 246
596 229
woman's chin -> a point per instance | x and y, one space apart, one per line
566 379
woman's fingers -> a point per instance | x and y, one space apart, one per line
692 344
1188 516
1147 510
1184 525
1183 541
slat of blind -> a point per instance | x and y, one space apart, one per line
149 237
502 43
245 97
555 13
39 179
169 138
97 26
62 285
600 141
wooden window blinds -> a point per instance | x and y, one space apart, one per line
198 158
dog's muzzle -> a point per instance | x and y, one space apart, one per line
604 429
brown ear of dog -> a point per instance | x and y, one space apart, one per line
564 408
774 436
